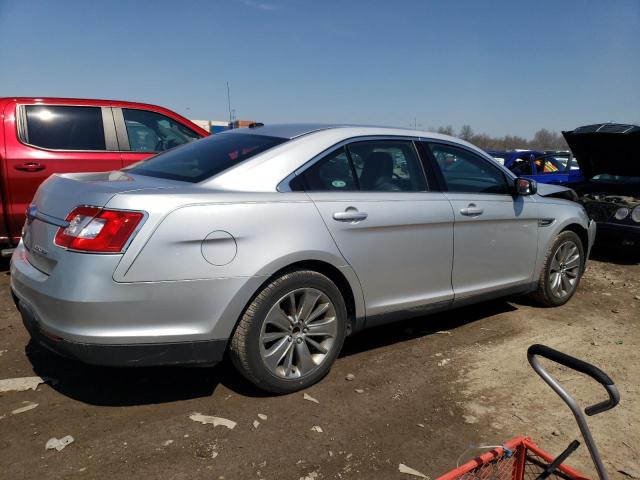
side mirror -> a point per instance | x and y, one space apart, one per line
525 186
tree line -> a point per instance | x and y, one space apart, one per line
543 139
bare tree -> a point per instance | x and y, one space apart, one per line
543 139
448 130
466 133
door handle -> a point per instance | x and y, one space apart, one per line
30 167
472 210
350 215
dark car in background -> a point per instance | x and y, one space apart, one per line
609 157
551 166
42 136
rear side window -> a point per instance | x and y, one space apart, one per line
64 128
198 161
154 132
373 166
467 172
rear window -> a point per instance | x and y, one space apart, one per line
197 161
65 128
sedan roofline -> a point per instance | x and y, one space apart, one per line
294 130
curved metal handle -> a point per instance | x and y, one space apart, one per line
30 167
583 367
472 210
350 216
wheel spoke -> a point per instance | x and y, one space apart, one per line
316 345
272 336
555 282
572 274
304 362
566 284
307 303
555 264
325 328
288 361
279 319
320 309
573 261
275 354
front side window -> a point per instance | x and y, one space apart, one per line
153 132
374 166
64 127
464 171
201 160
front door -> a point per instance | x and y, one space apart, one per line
394 232
496 233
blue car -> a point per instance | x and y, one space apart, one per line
558 167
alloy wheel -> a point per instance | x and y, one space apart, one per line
298 333
565 269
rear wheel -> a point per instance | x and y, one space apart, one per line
291 332
562 270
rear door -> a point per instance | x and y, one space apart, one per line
496 233
51 139
144 133
395 233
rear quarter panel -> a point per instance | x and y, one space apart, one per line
255 236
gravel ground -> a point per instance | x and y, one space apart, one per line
422 392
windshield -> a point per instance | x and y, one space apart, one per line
198 161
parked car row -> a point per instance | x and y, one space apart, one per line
158 255
42 136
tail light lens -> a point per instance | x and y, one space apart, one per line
92 229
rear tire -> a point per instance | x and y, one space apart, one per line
562 270
291 333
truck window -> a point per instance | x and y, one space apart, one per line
64 127
154 132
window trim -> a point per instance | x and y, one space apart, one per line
492 164
22 127
123 136
284 185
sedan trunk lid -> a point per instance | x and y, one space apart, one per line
60 194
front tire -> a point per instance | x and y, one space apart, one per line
562 270
291 333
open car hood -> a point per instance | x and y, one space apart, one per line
611 148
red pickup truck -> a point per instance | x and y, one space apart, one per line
41 136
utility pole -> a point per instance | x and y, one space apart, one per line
229 104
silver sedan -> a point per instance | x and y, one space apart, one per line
274 243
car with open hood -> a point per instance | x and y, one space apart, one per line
609 158
271 244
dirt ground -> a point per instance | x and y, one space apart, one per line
424 391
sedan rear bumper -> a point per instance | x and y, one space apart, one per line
207 352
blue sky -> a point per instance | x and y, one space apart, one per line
502 67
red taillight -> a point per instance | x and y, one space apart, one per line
92 229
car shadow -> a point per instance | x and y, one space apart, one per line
403 330
107 386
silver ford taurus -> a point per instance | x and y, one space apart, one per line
274 243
